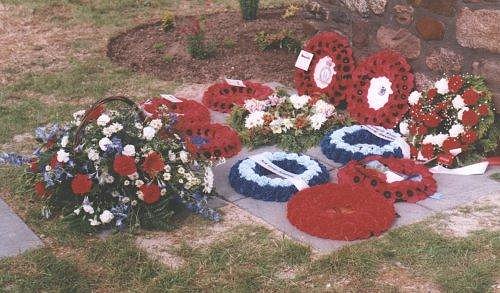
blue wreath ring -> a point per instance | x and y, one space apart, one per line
356 143
250 179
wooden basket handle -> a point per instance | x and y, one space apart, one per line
85 120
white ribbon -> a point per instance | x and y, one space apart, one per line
474 169
383 133
171 98
298 182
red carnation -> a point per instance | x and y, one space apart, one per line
124 165
40 189
153 164
418 129
470 96
451 143
427 150
33 166
150 193
470 118
81 184
432 93
483 110
431 120
53 161
469 137
455 83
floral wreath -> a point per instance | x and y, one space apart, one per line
330 68
379 91
357 142
454 116
214 141
415 181
190 114
222 96
340 212
250 179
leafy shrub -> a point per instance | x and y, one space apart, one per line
167 21
283 39
249 9
159 47
291 11
229 43
168 59
197 46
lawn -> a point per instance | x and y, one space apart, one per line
43 84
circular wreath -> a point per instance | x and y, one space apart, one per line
330 69
417 183
355 143
214 141
250 179
340 212
456 113
222 96
191 114
379 91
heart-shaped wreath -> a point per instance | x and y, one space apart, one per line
407 181
330 69
380 88
222 96
340 212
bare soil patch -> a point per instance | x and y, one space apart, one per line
144 48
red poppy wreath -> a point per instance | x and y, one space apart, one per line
214 141
191 114
222 96
407 181
330 69
380 88
340 212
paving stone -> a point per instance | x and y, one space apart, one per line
221 173
15 236
216 203
458 190
410 213
317 154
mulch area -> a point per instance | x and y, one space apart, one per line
140 48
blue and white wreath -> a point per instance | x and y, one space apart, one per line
249 178
356 142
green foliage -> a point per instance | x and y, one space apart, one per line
159 47
249 9
280 40
495 176
168 58
167 21
229 43
199 48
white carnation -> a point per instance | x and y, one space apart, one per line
403 128
252 105
64 141
317 120
93 155
106 216
156 124
94 222
324 108
458 102
103 120
276 125
299 101
442 86
254 119
62 156
184 156
456 130
148 132
437 139
104 143
129 150
414 97
88 209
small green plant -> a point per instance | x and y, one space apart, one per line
291 11
281 40
249 9
197 46
159 47
168 20
229 43
168 59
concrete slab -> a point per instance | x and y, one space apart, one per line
15 236
458 190
410 213
317 154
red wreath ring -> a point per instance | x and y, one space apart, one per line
214 141
340 212
192 114
335 46
222 96
393 66
355 173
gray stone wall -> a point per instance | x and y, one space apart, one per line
436 36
